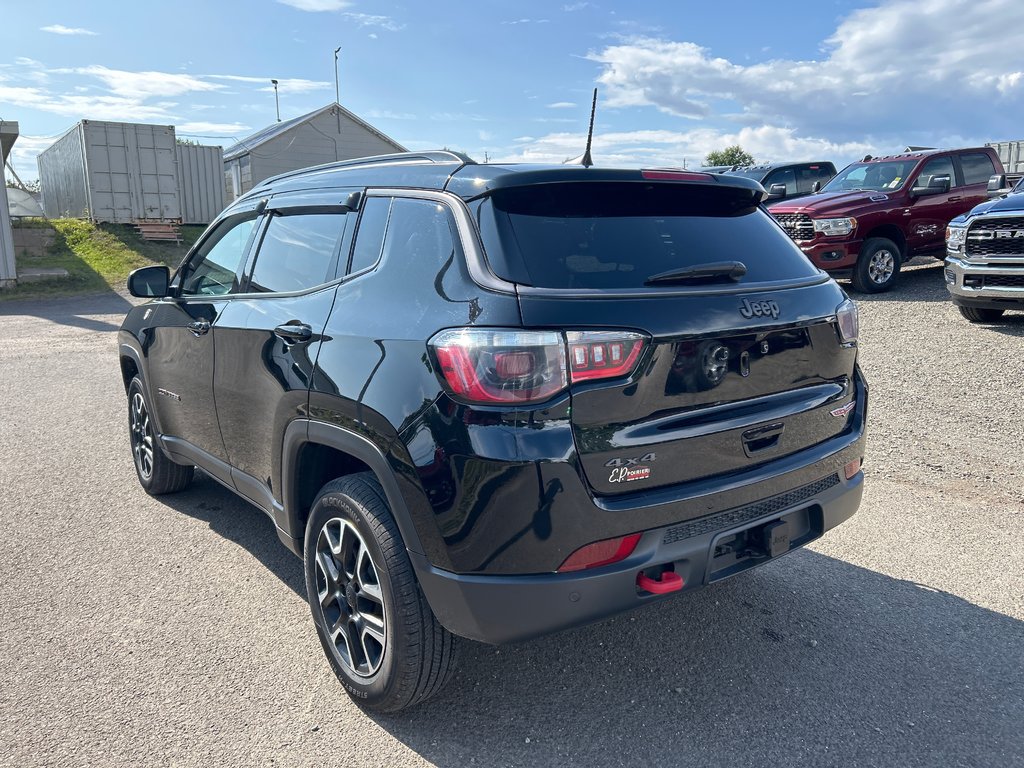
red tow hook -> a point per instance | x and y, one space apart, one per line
669 582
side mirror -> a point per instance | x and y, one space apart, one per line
776 191
149 282
937 185
816 187
997 182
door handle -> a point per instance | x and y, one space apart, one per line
199 327
293 332
953 199
762 438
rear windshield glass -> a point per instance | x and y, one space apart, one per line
610 235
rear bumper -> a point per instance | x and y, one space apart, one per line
501 609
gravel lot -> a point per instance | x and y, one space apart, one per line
142 631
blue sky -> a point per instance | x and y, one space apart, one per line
512 81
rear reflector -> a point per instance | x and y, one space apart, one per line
676 176
851 469
600 553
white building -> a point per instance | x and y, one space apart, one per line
328 134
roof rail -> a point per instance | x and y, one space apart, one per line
431 156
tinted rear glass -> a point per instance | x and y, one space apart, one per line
606 235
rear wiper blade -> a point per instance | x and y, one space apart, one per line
719 270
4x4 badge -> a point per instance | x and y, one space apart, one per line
759 309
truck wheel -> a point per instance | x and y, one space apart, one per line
877 266
378 632
157 473
979 315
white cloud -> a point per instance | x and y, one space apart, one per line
291 85
648 148
317 5
575 7
227 130
527 21
387 114
143 85
893 68
562 105
60 29
369 20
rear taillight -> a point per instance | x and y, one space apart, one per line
602 354
848 322
604 552
489 365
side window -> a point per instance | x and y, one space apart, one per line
370 236
419 230
808 174
784 176
297 252
977 167
937 166
211 272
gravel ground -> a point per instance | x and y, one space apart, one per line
174 632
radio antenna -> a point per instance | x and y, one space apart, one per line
586 162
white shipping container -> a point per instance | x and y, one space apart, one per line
112 172
1011 154
200 182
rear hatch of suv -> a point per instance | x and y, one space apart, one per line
739 366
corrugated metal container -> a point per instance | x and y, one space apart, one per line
112 172
1011 154
200 182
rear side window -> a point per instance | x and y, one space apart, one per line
977 167
419 231
370 237
610 235
297 252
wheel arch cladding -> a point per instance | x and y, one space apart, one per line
315 453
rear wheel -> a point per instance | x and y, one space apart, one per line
378 632
980 315
877 267
157 473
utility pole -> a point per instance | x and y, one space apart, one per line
277 104
337 99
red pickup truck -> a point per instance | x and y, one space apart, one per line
876 214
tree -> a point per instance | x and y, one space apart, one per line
734 155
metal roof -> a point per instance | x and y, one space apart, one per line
246 145
8 135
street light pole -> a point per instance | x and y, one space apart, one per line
277 104
337 99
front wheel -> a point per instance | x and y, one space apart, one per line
981 315
374 624
157 473
877 267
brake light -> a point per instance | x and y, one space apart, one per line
602 354
604 552
676 176
496 366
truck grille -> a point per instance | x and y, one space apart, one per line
797 225
1002 281
996 237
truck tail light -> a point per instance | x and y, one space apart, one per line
604 552
498 366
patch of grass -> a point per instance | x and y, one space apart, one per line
97 257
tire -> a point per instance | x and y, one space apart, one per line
157 474
878 266
375 626
980 315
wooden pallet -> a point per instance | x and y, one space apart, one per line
155 230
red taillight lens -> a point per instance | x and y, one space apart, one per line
494 366
487 365
600 553
602 354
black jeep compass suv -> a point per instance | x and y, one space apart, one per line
497 401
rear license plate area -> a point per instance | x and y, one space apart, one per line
735 551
